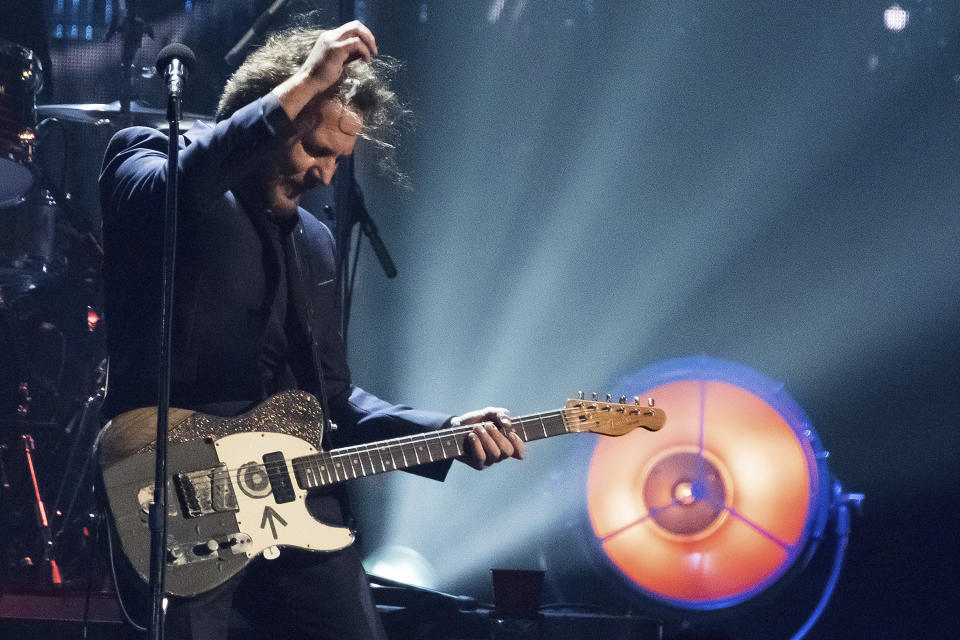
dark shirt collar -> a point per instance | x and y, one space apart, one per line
198 127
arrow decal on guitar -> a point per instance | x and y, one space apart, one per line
268 515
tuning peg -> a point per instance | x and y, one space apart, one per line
609 397
594 394
623 399
650 402
636 399
580 395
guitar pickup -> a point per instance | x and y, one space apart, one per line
280 482
219 546
206 492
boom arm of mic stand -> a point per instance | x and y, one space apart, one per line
234 56
370 230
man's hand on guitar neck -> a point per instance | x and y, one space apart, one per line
493 438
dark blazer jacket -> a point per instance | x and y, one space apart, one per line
226 274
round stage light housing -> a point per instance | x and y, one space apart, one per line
719 505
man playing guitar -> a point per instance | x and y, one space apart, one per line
256 314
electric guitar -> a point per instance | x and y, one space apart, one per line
238 484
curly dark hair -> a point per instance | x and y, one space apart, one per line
363 86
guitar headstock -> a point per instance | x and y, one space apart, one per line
612 418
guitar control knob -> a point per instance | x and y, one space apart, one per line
271 553
212 545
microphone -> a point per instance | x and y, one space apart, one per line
174 63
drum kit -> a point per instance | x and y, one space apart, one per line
52 352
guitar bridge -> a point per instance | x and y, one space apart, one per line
206 492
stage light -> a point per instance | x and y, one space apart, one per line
401 564
896 18
725 501
93 319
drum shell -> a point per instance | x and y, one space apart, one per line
34 239
21 79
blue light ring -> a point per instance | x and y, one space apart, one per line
773 393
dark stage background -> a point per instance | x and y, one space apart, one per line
599 186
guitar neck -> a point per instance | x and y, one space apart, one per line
349 463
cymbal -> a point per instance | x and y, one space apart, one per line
109 114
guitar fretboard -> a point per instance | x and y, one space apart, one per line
349 463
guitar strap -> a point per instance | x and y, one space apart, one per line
303 304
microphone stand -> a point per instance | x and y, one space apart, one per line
234 56
369 229
350 211
343 231
133 27
158 510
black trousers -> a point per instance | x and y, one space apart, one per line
320 596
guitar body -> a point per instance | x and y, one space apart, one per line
226 504
237 486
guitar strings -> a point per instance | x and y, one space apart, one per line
218 473
427 438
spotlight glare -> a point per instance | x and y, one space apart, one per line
496 8
895 18
402 564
